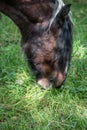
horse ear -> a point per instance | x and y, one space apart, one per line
63 13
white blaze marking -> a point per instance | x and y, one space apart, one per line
66 68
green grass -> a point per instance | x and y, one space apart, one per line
23 104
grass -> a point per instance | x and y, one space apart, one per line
23 104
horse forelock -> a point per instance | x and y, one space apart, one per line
58 5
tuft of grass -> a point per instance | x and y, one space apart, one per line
23 104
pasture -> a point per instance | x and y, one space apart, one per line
23 104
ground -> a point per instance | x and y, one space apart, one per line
23 104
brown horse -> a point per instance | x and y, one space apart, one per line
46 31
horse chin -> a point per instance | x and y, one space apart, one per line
44 83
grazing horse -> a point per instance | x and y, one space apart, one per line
46 31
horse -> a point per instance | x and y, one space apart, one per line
46 30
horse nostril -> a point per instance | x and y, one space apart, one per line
59 85
59 81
